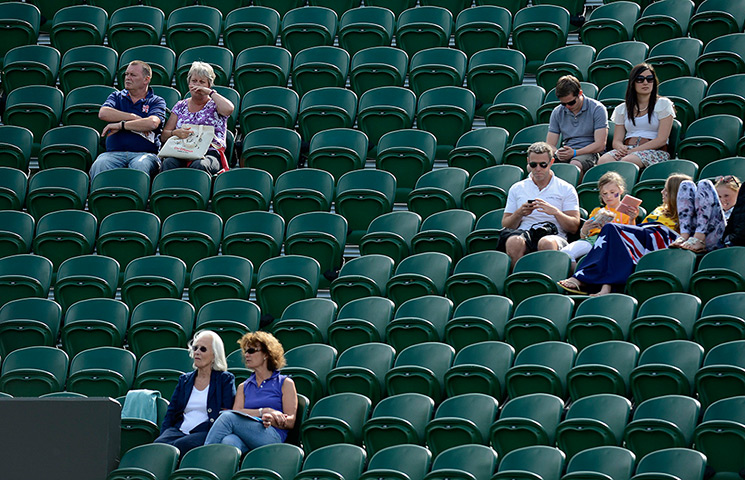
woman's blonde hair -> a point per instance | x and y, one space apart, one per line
672 184
611 177
218 348
729 181
269 345
201 69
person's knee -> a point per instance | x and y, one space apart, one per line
548 243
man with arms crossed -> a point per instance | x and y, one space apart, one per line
581 122
542 197
136 116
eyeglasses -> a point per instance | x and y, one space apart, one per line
535 164
644 78
569 103
727 179
199 348
252 350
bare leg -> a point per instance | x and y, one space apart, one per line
633 159
604 290
515 247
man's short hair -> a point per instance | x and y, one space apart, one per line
567 85
539 148
145 67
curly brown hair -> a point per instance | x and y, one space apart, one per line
269 344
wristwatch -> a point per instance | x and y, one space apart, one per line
122 125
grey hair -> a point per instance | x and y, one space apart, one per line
220 362
201 69
541 148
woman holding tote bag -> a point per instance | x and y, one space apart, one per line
206 108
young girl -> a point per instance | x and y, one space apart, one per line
703 210
612 187
619 247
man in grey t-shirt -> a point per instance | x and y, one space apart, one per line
581 122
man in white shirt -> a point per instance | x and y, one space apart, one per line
541 197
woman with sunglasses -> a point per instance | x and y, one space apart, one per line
200 395
265 405
703 211
640 137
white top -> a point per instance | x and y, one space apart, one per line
558 193
195 412
663 108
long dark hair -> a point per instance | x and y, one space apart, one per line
631 101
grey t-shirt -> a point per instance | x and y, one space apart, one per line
578 131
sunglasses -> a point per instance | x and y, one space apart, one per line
252 350
644 78
535 164
199 348
727 179
569 103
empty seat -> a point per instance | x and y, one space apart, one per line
719 435
135 25
128 235
683 463
515 108
158 323
29 322
192 26
361 28
481 27
344 460
614 62
421 369
446 112
35 107
269 106
478 319
391 234
662 271
541 367
88 65
56 189
302 191
665 317
218 461
461 420
34 371
73 146
84 277
308 365
675 57
710 138
20 23
398 419
603 367
361 321
308 27
478 150
437 191
419 275
718 274
256 236
423 27
662 422
686 93
304 322
526 420
30 65
102 372
537 273
721 321
419 320
230 318
82 106
241 190
436 67
722 57
538 461
361 277
64 234
321 236
94 322
338 151
487 190
319 66
476 274
24 276
407 154
248 27
721 375
667 368
161 368
283 280
155 276
714 18
385 109
534 42
480 368
179 190
725 96
191 236
668 19
361 369
16 152
410 460
445 232
600 319
118 190
570 60
539 318
325 108
219 277
610 24
612 462
363 195
16 232
158 459
281 459
378 67
593 421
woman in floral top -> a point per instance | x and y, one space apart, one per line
204 107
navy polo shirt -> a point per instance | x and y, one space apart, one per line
127 141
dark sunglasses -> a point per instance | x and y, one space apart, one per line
727 179
252 350
569 103
644 78
535 164
200 348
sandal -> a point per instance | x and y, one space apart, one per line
694 245
571 285
678 242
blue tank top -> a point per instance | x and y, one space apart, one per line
268 394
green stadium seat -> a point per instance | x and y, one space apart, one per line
102 372
319 235
476 274
20 23
309 365
78 25
445 232
180 190
666 368
65 234
652 180
35 107
675 57
219 277
616 463
94 322
419 275
725 96
481 27
537 273
537 43
34 371
241 190
478 150
722 57
247 27
686 93
662 422
270 462
325 108
161 368
30 65
191 236
360 321
410 460
461 420
538 318
722 374
73 146
494 69
720 321
338 151
84 277
151 277
593 421
231 318
385 109
719 435
159 323
305 321
447 113
302 191
419 320
82 105
480 368
423 27
364 276
714 18
306 27
156 459
193 26
270 106
361 369
361 28
398 419
284 280
610 24
256 236
516 152
215 462
437 191
662 21
614 62
488 188
603 367
485 235
29 322
23 276
538 461
319 66
136 25
378 67
661 271
407 154
570 60
525 421
261 66
665 317
56 189
541 368
682 463
88 65
514 108
601 319
15 153
391 234
478 319
436 67
16 232
334 461
128 235
420 369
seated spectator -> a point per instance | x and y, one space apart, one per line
619 247
703 211
612 187
135 117
205 107
540 210
200 395
265 405
640 137
581 122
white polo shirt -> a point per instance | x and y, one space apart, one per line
558 193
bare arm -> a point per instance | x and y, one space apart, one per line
569 220
601 137
513 219
552 139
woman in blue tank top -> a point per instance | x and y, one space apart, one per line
265 404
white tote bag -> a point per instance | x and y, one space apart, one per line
192 147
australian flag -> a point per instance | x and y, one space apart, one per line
617 250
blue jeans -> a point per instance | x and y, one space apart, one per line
244 433
184 442
147 162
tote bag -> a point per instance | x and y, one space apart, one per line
192 147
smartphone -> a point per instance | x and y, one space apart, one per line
628 204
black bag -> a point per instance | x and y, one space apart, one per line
532 235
